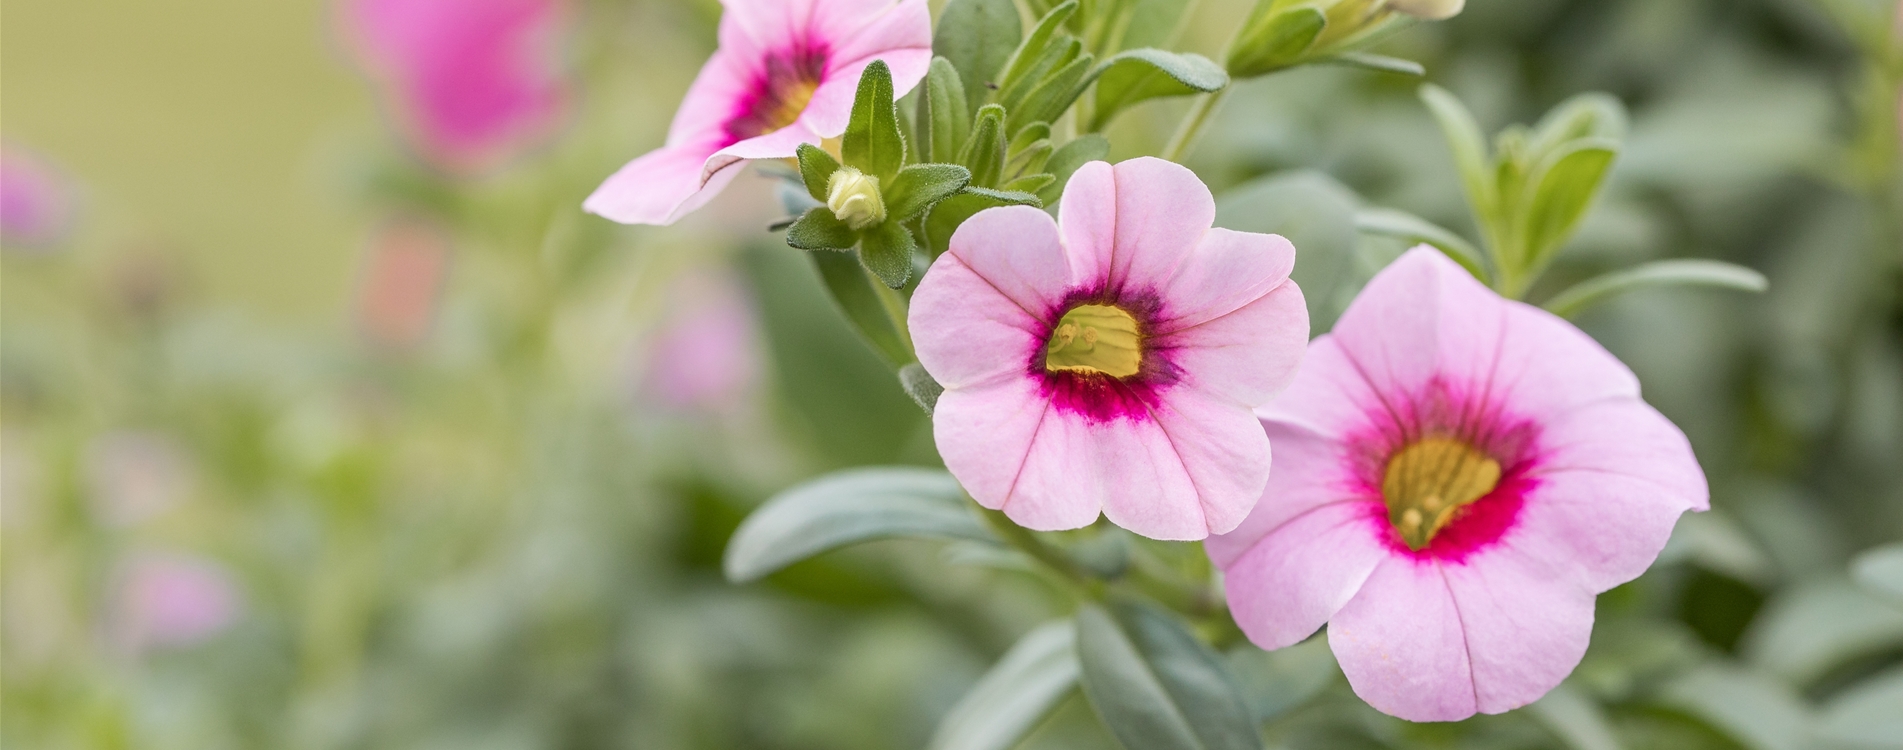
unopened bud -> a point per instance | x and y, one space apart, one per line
1432 10
854 198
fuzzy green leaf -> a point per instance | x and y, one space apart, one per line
984 153
1157 687
886 250
1562 189
919 186
1709 273
819 229
944 116
1275 38
977 38
1128 78
816 170
1036 45
872 143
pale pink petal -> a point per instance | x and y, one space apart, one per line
1420 317
1129 465
1307 473
1400 644
658 188
757 28
1626 438
1248 355
715 97
1328 396
1016 249
900 34
779 144
1526 623
1226 271
1290 582
986 437
1131 225
1547 366
966 331
1223 450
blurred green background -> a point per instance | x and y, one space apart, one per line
309 445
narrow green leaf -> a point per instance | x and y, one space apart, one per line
1880 570
887 250
1711 273
1389 222
921 387
1759 712
1469 148
1275 38
1012 698
984 153
1155 686
1381 63
1030 183
1029 161
1812 628
945 217
846 508
1279 681
816 169
1035 45
919 186
1056 57
1590 115
1576 719
1562 189
872 142
819 229
851 288
1049 99
943 114
1028 135
1067 159
1134 76
1866 715
977 38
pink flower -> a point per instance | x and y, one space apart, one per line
785 74
36 202
1457 476
472 81
1110 362
171 600
705 357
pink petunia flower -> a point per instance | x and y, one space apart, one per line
785 74
1457 477
473 81
169 600
1109 361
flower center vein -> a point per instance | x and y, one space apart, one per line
1095 339
1427 482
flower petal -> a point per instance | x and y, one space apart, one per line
1306 474
1420 317
756 28
1328 395
1399 642
1222 447
986 436
659 188
966 330
1627 437
1289 583
1131 225
1547 366
900 34
1129 465
1526 623
1225 272
1248 355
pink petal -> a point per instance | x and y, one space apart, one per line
1292 581
901 35
1130 466
717 93
1547 366
1328 396
1305 475
1526 623
658 188
755 28
1421 316
968 333
1222 448
1626 437
1226 271
1248 355
1399 642
986 437
1131 225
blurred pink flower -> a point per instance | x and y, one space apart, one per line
705 357
36 200
471 81
1457 476
134 476
401 282
1109 361
785 74
170 600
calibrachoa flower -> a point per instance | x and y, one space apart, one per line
1109 360
166 600
36 202
472 80
705 355
785 74
1457 476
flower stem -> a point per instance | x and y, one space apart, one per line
895 310
1028 543
1193 125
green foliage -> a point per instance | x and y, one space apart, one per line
1131 77
850 286
1709 273
944 115
1156 685
1016 695
818 229
977 39
886 250
872 142
919 186
1275 38
848 508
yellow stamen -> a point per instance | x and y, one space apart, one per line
1096 338
1428 481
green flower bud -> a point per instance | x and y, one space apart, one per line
853 197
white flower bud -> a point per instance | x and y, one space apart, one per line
1432 10
854 198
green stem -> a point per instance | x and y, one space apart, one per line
1028 543
897 311
1193 125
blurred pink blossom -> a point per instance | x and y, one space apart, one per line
401 283
134 476
472 81
36 200
705 355
170 600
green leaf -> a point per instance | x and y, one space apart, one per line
919 186
852 290
977 38
1380 63
944 117
819 229
946 217
1759 712
816 170
1880 570
1389 222
847 508
1317 214
1128 78
1810 628
1013 698
1275 38
1469 148
1153 23
1155 686
1030 183
1276 682
984 153
1061 55
1036 46
1067 159
1563 188
872 143
1576 718
1048 100
1866 715
920 386
1028 151
1710 273
1591 115
887 250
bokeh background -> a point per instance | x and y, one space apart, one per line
320 431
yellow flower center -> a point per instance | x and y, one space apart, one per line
1095 338
1428 481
